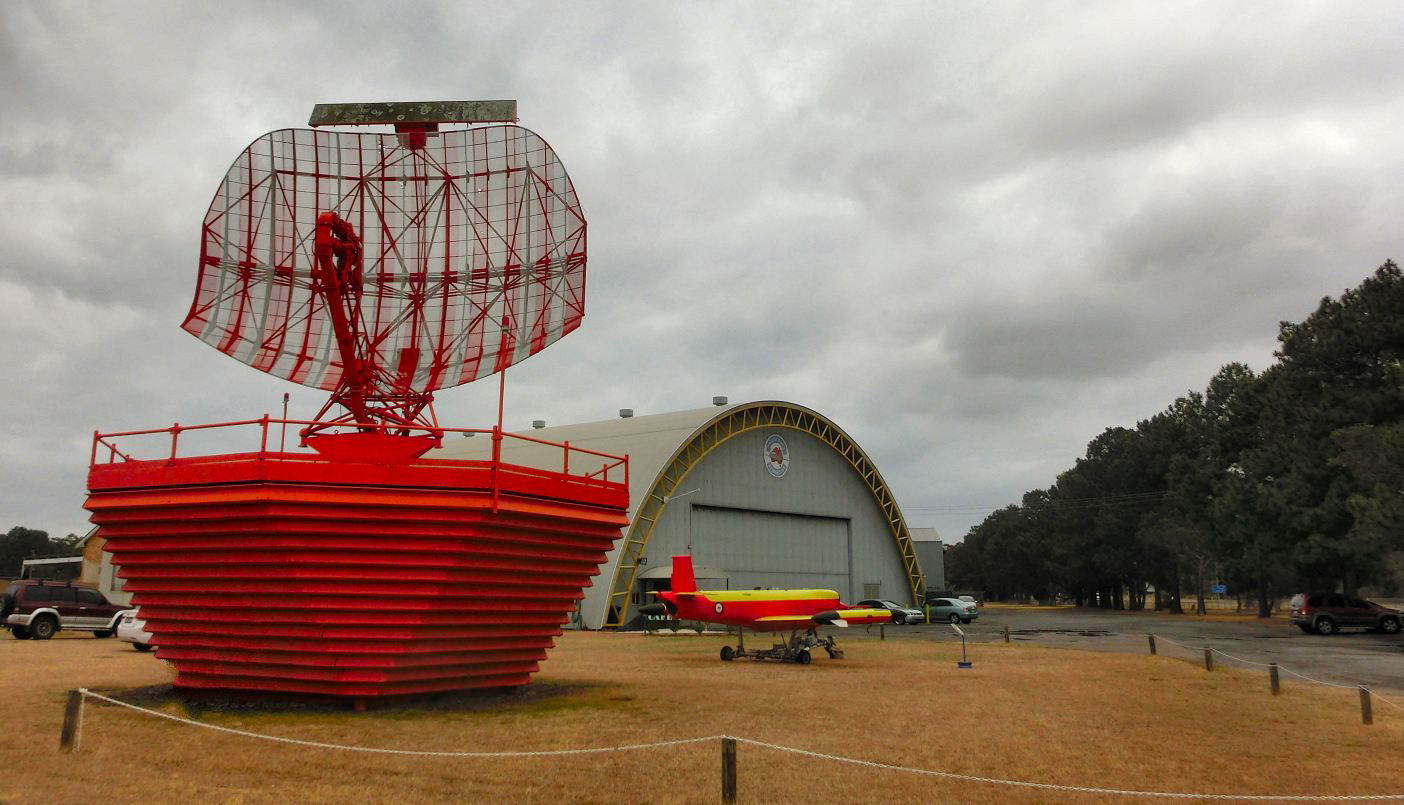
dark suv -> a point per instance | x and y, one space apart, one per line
1327 613
38 609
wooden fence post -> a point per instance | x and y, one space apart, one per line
71 714
1151 638
1272 676
1208 659
882 631
1006 633
1366 717
729 771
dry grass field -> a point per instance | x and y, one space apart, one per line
1047 715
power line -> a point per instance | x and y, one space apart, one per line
1129 499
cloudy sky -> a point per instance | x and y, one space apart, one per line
972 234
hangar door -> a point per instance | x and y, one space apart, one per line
772 549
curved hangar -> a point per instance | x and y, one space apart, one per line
764 494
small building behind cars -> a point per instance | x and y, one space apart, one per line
931 553
97 569
53 568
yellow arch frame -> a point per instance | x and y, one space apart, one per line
733 423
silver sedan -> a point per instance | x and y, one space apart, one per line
953 610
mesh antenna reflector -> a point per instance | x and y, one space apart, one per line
473 249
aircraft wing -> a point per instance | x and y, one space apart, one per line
798 621
844 617
831 617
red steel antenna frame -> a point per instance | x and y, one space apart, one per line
340 275
382 267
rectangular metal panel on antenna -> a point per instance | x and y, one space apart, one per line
363 114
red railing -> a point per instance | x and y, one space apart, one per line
608 463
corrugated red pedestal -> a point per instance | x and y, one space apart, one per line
301 573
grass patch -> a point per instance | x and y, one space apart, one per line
1027 713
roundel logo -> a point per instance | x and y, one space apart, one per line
719 608
777 456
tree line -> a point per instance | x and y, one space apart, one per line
20 543
1283 481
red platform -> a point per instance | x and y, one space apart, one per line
306 573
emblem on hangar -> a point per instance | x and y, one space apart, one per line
777 455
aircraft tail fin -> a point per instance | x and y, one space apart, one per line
683 580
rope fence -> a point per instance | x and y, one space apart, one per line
84 692
71 739
1115 792
1368 694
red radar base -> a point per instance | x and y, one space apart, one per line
328 574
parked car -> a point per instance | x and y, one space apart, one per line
953 610
132 629
969 599
1327 613
900 614
40 609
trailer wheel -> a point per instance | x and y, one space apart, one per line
727 653
802 656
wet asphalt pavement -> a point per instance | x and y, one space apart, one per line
1352 657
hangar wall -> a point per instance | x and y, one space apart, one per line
768 549
817 525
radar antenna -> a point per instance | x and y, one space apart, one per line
382 267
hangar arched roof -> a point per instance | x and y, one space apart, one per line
662 448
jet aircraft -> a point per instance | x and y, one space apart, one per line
799 612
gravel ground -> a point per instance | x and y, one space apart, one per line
1351 658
